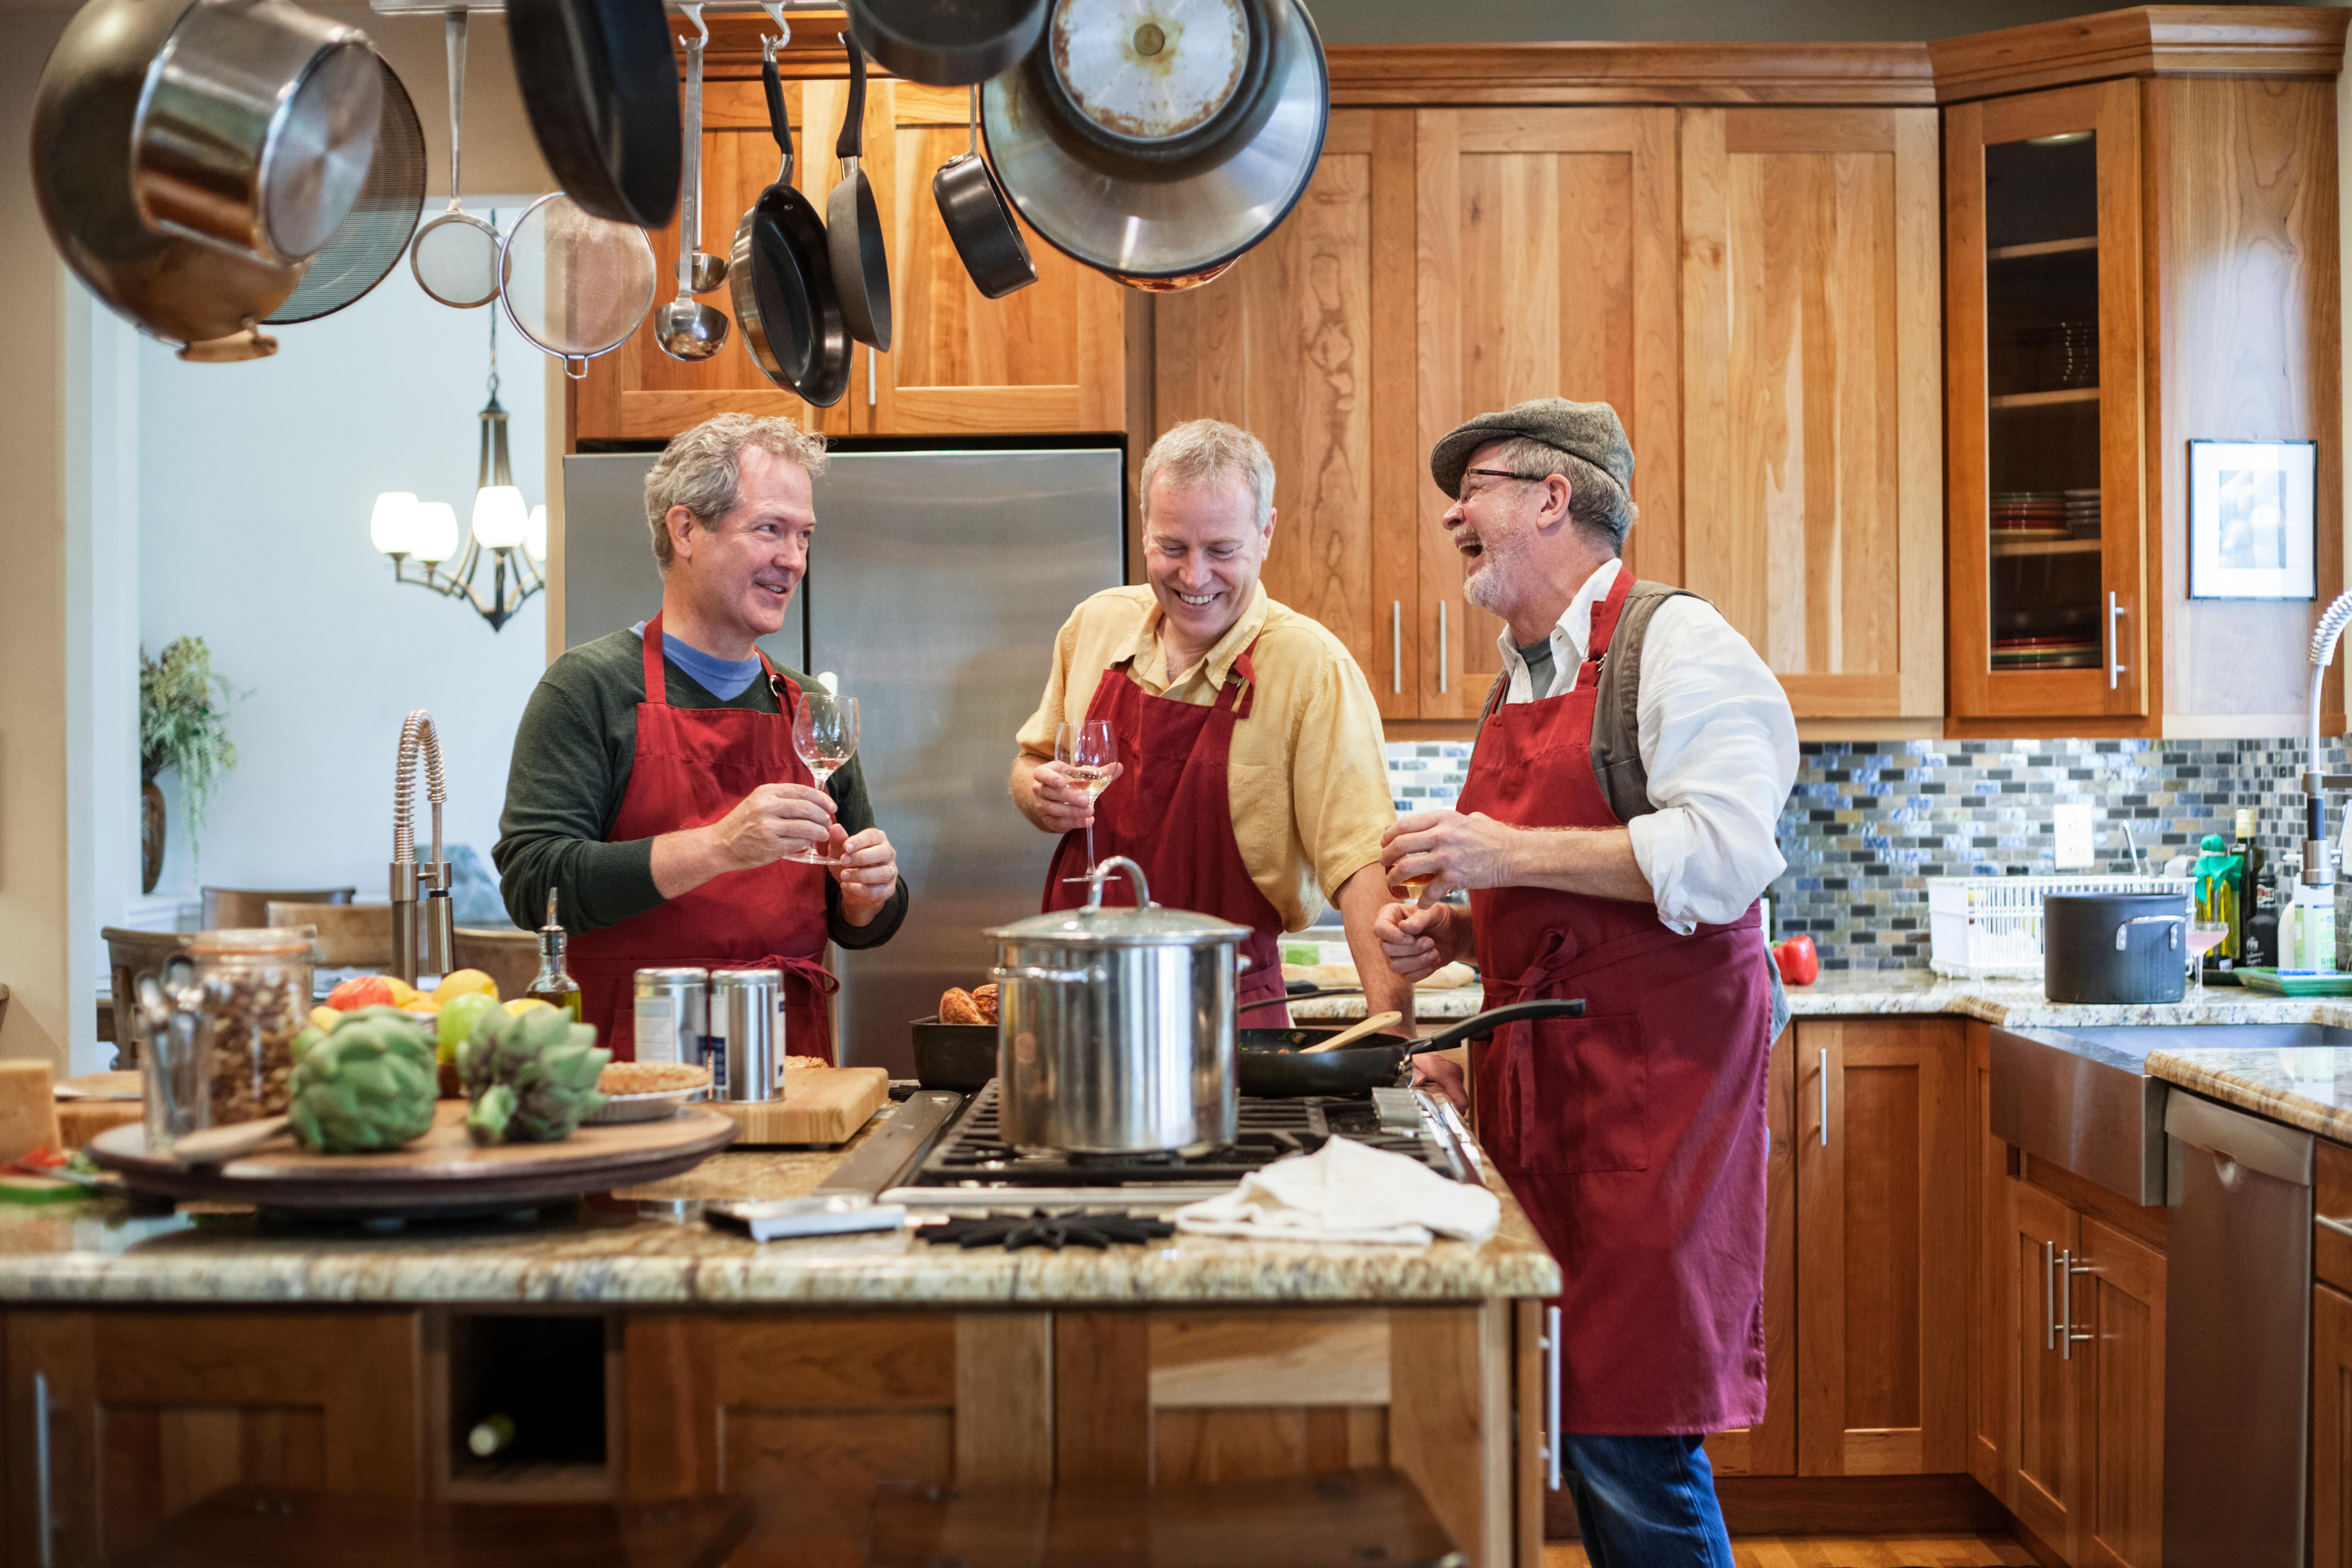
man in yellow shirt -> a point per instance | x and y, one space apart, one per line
1251 783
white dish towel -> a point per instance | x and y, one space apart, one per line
1350 1192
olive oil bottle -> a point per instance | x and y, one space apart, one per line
553 984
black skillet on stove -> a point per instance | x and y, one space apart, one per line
1273 1063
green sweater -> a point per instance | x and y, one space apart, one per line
572 754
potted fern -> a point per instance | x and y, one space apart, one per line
183 724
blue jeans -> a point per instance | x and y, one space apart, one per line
1644 1502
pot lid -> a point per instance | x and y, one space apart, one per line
1097 924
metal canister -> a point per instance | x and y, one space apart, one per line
744 1036
671 1011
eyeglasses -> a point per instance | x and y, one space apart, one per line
1500 474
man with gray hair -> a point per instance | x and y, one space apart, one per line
1250 781
1615 832
654 781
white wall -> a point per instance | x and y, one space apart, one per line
255 483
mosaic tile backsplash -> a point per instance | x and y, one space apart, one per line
1869 821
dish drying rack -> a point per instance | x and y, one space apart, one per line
1989 928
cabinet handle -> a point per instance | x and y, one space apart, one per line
45 1521
1442 649
1826 1097
1396 646
2049 1298
2337 1226
2115 612
1551 1398
2068 1267
872 384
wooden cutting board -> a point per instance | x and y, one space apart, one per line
821 1105
79 1121
442 1173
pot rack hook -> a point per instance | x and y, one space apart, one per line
692 11
775 10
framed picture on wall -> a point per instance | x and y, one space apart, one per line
2252 530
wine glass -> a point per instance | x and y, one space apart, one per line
2204 936
1087 751
824 736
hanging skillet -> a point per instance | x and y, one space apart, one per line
1158 141
600 85
369 243
985 235
958 44
780 276
853 225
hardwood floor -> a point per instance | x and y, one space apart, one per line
1850 1552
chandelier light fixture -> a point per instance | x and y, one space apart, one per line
514 536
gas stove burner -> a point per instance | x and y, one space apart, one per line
1054 1232
1162 1159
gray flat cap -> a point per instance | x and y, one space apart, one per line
1589 430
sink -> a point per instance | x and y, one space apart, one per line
2083 1098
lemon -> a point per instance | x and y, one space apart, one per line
427 1005
465 983
403 992
325 1018
521 1004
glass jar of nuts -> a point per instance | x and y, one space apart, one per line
255 996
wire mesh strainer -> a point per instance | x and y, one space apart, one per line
368 243
456 258
574 284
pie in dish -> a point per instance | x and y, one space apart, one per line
651 1078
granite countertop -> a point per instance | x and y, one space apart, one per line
649 1245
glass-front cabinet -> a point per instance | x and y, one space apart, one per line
2047 543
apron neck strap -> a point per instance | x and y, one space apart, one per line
658 681
1605 616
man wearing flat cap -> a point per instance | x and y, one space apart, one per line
1614 835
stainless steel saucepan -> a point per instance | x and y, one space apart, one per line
1115 1027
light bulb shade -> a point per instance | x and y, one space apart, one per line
392 526
433 534
534 534
501 520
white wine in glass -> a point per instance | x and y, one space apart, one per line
824 736
1088 752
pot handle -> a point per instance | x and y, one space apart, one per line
1043 977
1100 875
2171 938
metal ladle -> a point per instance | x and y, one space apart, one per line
686 329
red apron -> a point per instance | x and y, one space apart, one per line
1171 814
693 766
1635 1136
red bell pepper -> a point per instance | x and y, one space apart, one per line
1799 963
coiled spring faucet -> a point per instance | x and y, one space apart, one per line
424 934
2318 865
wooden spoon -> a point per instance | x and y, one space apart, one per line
1348 1036
218 1145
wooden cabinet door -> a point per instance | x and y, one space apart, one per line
639 393
1881 1254
2003 301
2331 1428
1545 240
2115 1312
1049 357
1989 1180
1308 344
1810 394
809 1414
2040 1384
144 1414
1770 1447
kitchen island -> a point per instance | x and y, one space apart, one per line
157 1357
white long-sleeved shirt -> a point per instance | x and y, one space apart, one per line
1719 744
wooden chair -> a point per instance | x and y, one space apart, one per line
129 955
509 956
255 1527
242 908
350 936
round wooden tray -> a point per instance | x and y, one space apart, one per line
441 1175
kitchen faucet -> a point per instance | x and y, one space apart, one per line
2318 865
424 936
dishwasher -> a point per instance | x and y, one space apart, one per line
2237 1337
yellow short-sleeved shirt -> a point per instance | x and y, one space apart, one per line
1309 780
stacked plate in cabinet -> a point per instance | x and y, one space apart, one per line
2023 515
2083 513
2045 653
2061 356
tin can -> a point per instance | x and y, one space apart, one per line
671 1014
742 1054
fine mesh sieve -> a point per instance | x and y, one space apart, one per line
574 284
368 243
456 258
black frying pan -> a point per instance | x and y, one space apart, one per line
980 223
600 85
780 276
1278 1069
955 43
853 223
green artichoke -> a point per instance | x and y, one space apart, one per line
366 1087
531 1077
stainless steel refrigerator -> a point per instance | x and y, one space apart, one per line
936 583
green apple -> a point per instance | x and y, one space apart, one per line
459 1015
